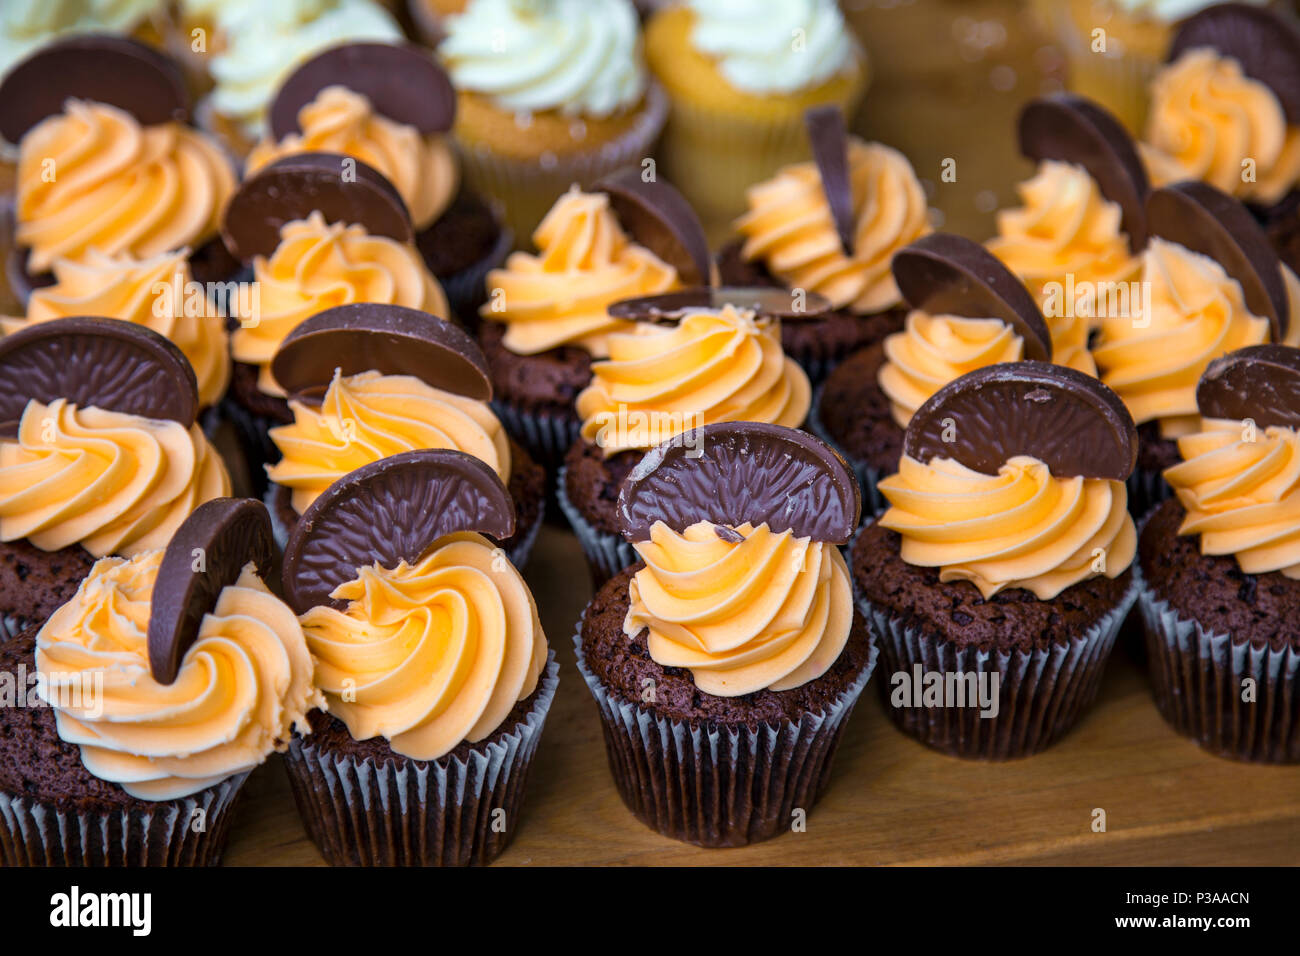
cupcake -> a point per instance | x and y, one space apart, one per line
725 664
100 455
740 74
344 101
831 226
161 685
998 578
1220 564
548 95
967 312
433 663
369 381
695 358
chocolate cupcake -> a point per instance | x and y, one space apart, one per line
999 577
99 455
831 226
423 755
367 381
967 312
726 666
1221 565
694 358
163 681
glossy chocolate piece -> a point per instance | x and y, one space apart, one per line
830 150
390 511
658 217
762 300
1066 419
207 554
945 274
111 364
1260 382
747 471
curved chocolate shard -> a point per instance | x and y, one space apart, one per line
402 82
1064 418
658 217
745 471
341 188
109 363
391 339
945 274
207 554
762 300
1260 382
830 149
1205 220
1265 44
1076 130
389 511
98 67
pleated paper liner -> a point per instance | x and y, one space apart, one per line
873 502
606 553
545 437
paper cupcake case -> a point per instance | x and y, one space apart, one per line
718 786
873 502
607 554
545 437
34 833
466 290
424 813
1146 489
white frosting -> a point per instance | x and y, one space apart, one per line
26 25
1170 10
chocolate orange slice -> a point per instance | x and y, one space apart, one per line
658 217
1260 382
1265 44
762 300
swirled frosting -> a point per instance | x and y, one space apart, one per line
771 611
933 350
1021 528
93 177
790 229
584 262
711 367
430 654
111 482
575 56
26 25
1197 313
422 168
1240 487
243 686
370 416
317 266
1207 118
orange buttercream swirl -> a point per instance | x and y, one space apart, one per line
771 611
789 228
92 177
1021 528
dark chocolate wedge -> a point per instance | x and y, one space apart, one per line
762 300
111 364
207 554
1260 382
745 471
390 511
830 149
1066 419
658 217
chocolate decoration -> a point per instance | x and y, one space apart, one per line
1260 382
1066 419
98 67
390 339
945 274
389 511
1076 130
108 363
1205 220
762 300
401 82
830 149
219 537
295 186
746 471
658 217
1265 44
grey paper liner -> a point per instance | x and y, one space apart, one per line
546 437
466 289
873 502
407 812
252 432
33 833
607 554
1146 489
718 786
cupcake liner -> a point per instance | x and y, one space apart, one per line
252 431
1197 677
466 290
607 554
34 833
1041 693
416 812
873 502
1146 489
11 625
545 437
1118 80
718 786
